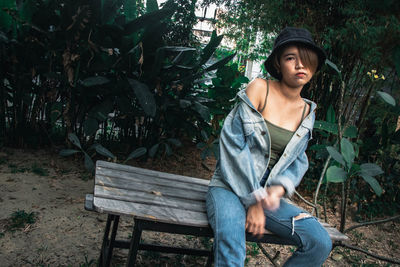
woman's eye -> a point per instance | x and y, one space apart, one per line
290 58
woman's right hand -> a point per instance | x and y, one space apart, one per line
255 221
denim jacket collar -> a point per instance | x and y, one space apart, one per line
309 124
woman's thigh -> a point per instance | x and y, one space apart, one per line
292 222
227 218
224 208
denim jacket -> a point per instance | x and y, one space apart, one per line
245 149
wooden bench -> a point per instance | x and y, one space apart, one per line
160 202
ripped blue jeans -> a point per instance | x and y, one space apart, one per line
227 217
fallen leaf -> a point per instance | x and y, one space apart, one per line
337 257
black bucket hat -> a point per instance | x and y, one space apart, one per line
292 35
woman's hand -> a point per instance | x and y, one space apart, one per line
274 194
255 221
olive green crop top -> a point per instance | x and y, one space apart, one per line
280 137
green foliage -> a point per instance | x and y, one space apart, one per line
383 147
19 219
387 98
180 27
224 88
88 263
3 160
254 250
164 146
206 241
348 170
103 72
36 169
222 91
15 169
6 18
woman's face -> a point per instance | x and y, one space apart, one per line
294 73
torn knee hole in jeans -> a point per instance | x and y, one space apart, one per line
302 216
299 217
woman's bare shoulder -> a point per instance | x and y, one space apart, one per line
256 90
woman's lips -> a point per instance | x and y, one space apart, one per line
300 74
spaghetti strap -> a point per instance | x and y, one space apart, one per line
304 111
266 96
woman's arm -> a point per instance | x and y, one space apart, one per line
236 164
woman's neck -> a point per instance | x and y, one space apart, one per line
289 93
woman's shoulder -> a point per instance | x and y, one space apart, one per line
256 91
256 84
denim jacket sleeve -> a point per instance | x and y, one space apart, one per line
236 163
291 177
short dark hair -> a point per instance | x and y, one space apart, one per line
307 56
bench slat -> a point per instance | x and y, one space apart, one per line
148 198
142 178
131 169
165 190
151 212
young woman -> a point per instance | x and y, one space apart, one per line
262 159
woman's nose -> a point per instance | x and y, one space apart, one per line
299 64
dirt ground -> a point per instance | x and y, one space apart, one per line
53 188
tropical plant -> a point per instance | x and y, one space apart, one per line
348 170
221 91
88 161
101 70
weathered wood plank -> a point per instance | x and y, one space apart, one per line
89 202
149 198
335 234
131 184
151 212
142 178
173 177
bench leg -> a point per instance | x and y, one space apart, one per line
209 261
134 246
108 244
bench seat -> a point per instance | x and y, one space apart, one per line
160 202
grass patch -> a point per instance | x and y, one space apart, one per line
253 249
15 169
3 160
86 176
88 263
206 241
36 169
19 219
65 171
